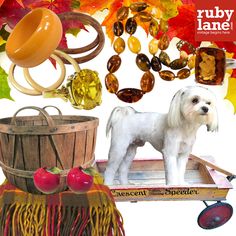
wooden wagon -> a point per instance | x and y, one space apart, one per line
206 182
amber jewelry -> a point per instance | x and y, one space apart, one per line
36 88
142 61
97 44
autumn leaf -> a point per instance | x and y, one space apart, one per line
1 2
4 87
91 6
182 26
231 93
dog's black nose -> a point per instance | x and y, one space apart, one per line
205 109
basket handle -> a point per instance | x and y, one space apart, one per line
59 111
41 111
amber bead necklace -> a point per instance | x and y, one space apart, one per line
131 95
147 81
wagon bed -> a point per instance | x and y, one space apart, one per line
147 182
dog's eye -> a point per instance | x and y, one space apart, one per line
208 103
195 101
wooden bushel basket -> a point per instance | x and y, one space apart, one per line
30 142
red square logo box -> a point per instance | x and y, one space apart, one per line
215 20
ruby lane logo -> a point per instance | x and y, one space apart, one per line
215 23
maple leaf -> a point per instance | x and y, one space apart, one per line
4 87
182 26
231 93
91 6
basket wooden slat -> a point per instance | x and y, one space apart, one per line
31 143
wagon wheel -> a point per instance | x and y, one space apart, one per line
215 215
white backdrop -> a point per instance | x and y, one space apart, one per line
142 218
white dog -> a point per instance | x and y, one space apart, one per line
172 134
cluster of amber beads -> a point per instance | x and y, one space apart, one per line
142 61
185 48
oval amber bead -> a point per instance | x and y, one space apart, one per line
147 82
112 83
156 64
119 45
183 73
113 63
131 25
153 46
122 13
191 62
138 6
130 95
164 58
167 75
164 25
178 64
153 28
144 16
143 62
134 44
164 42
118 28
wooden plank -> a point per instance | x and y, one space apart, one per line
79 150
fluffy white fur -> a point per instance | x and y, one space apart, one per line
172 134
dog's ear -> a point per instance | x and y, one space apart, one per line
174 117
213 124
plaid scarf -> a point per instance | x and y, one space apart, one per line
63 214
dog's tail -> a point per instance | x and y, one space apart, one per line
117 114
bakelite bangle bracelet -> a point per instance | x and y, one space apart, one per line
38 89
98 43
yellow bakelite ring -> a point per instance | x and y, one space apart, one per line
34 38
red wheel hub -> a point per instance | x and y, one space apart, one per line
215 215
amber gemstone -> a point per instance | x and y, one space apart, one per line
164 58
153 28
164 42
113 63
134 44
156 63
122 13
183 73
112 83
143 62
178 64
131 25
138 6
167 75
153 46
147 82
163 25
130 95
144 16
210 65
118 28
119 45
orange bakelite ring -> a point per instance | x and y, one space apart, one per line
34 38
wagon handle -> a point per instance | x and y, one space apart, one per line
211 165
41 111
59 111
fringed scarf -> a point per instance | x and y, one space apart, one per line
62 214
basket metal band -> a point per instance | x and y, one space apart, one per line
29 174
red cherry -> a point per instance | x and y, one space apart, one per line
47 180
78 180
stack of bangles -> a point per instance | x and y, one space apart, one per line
31 51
